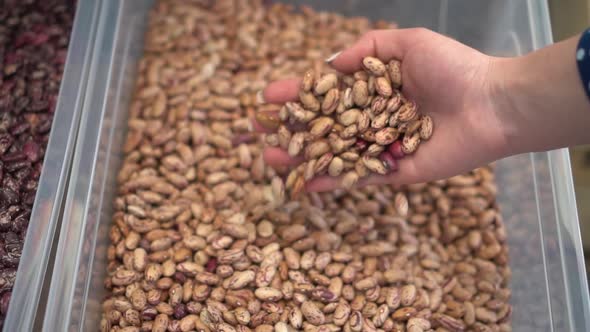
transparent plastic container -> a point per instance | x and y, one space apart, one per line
34 269
550 291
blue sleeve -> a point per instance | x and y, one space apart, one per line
583 60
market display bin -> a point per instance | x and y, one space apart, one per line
34 269
535 190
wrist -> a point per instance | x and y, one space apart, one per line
505 99
539 99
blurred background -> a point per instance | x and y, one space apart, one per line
569 17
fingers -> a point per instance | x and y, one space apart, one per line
406 175
280 92
383 44
323 183
279 157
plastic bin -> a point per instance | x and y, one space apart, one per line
536 194
35 264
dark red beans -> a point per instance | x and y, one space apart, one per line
395 149
179 277
180 311
33 46
149 313
389 161
4 300
5 142
211 265
361 144
32 151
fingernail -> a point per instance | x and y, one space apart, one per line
260 98
332 57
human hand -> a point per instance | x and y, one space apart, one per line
448 80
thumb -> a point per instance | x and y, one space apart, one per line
383 44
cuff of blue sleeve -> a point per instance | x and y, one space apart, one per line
583 60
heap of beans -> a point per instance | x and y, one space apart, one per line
203 237
33 45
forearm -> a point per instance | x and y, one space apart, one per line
541 100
